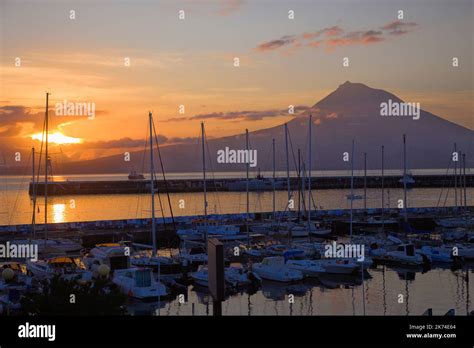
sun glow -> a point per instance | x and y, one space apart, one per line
59 212
57 138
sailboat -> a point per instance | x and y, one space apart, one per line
309 228
198 255
49 246
138 282
202 228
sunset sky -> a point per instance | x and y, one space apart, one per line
190 62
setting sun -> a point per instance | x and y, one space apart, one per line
57 138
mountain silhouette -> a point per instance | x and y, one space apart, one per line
351 112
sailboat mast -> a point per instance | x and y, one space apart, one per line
46 170
247 185
33 185
33 166
365 180
299 185
310 123
152 185
352 188
461 185
287 164
383 190
273 183
464 181
204 182
405 213
456 177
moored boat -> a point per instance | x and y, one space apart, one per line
274 268
404 254
139 283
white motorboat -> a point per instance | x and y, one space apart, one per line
67 267
139 283
404 254
274 268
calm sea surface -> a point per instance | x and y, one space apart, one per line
16 205
388 291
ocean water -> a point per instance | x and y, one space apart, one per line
16 205
388 291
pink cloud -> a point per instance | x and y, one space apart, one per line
333 37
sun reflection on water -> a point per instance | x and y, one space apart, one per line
59 210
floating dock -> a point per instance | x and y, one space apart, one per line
62 188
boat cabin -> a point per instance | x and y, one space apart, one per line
408 249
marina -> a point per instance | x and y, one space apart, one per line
149 263
235 172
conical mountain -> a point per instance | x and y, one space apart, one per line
352 111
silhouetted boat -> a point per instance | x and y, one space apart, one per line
135 176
